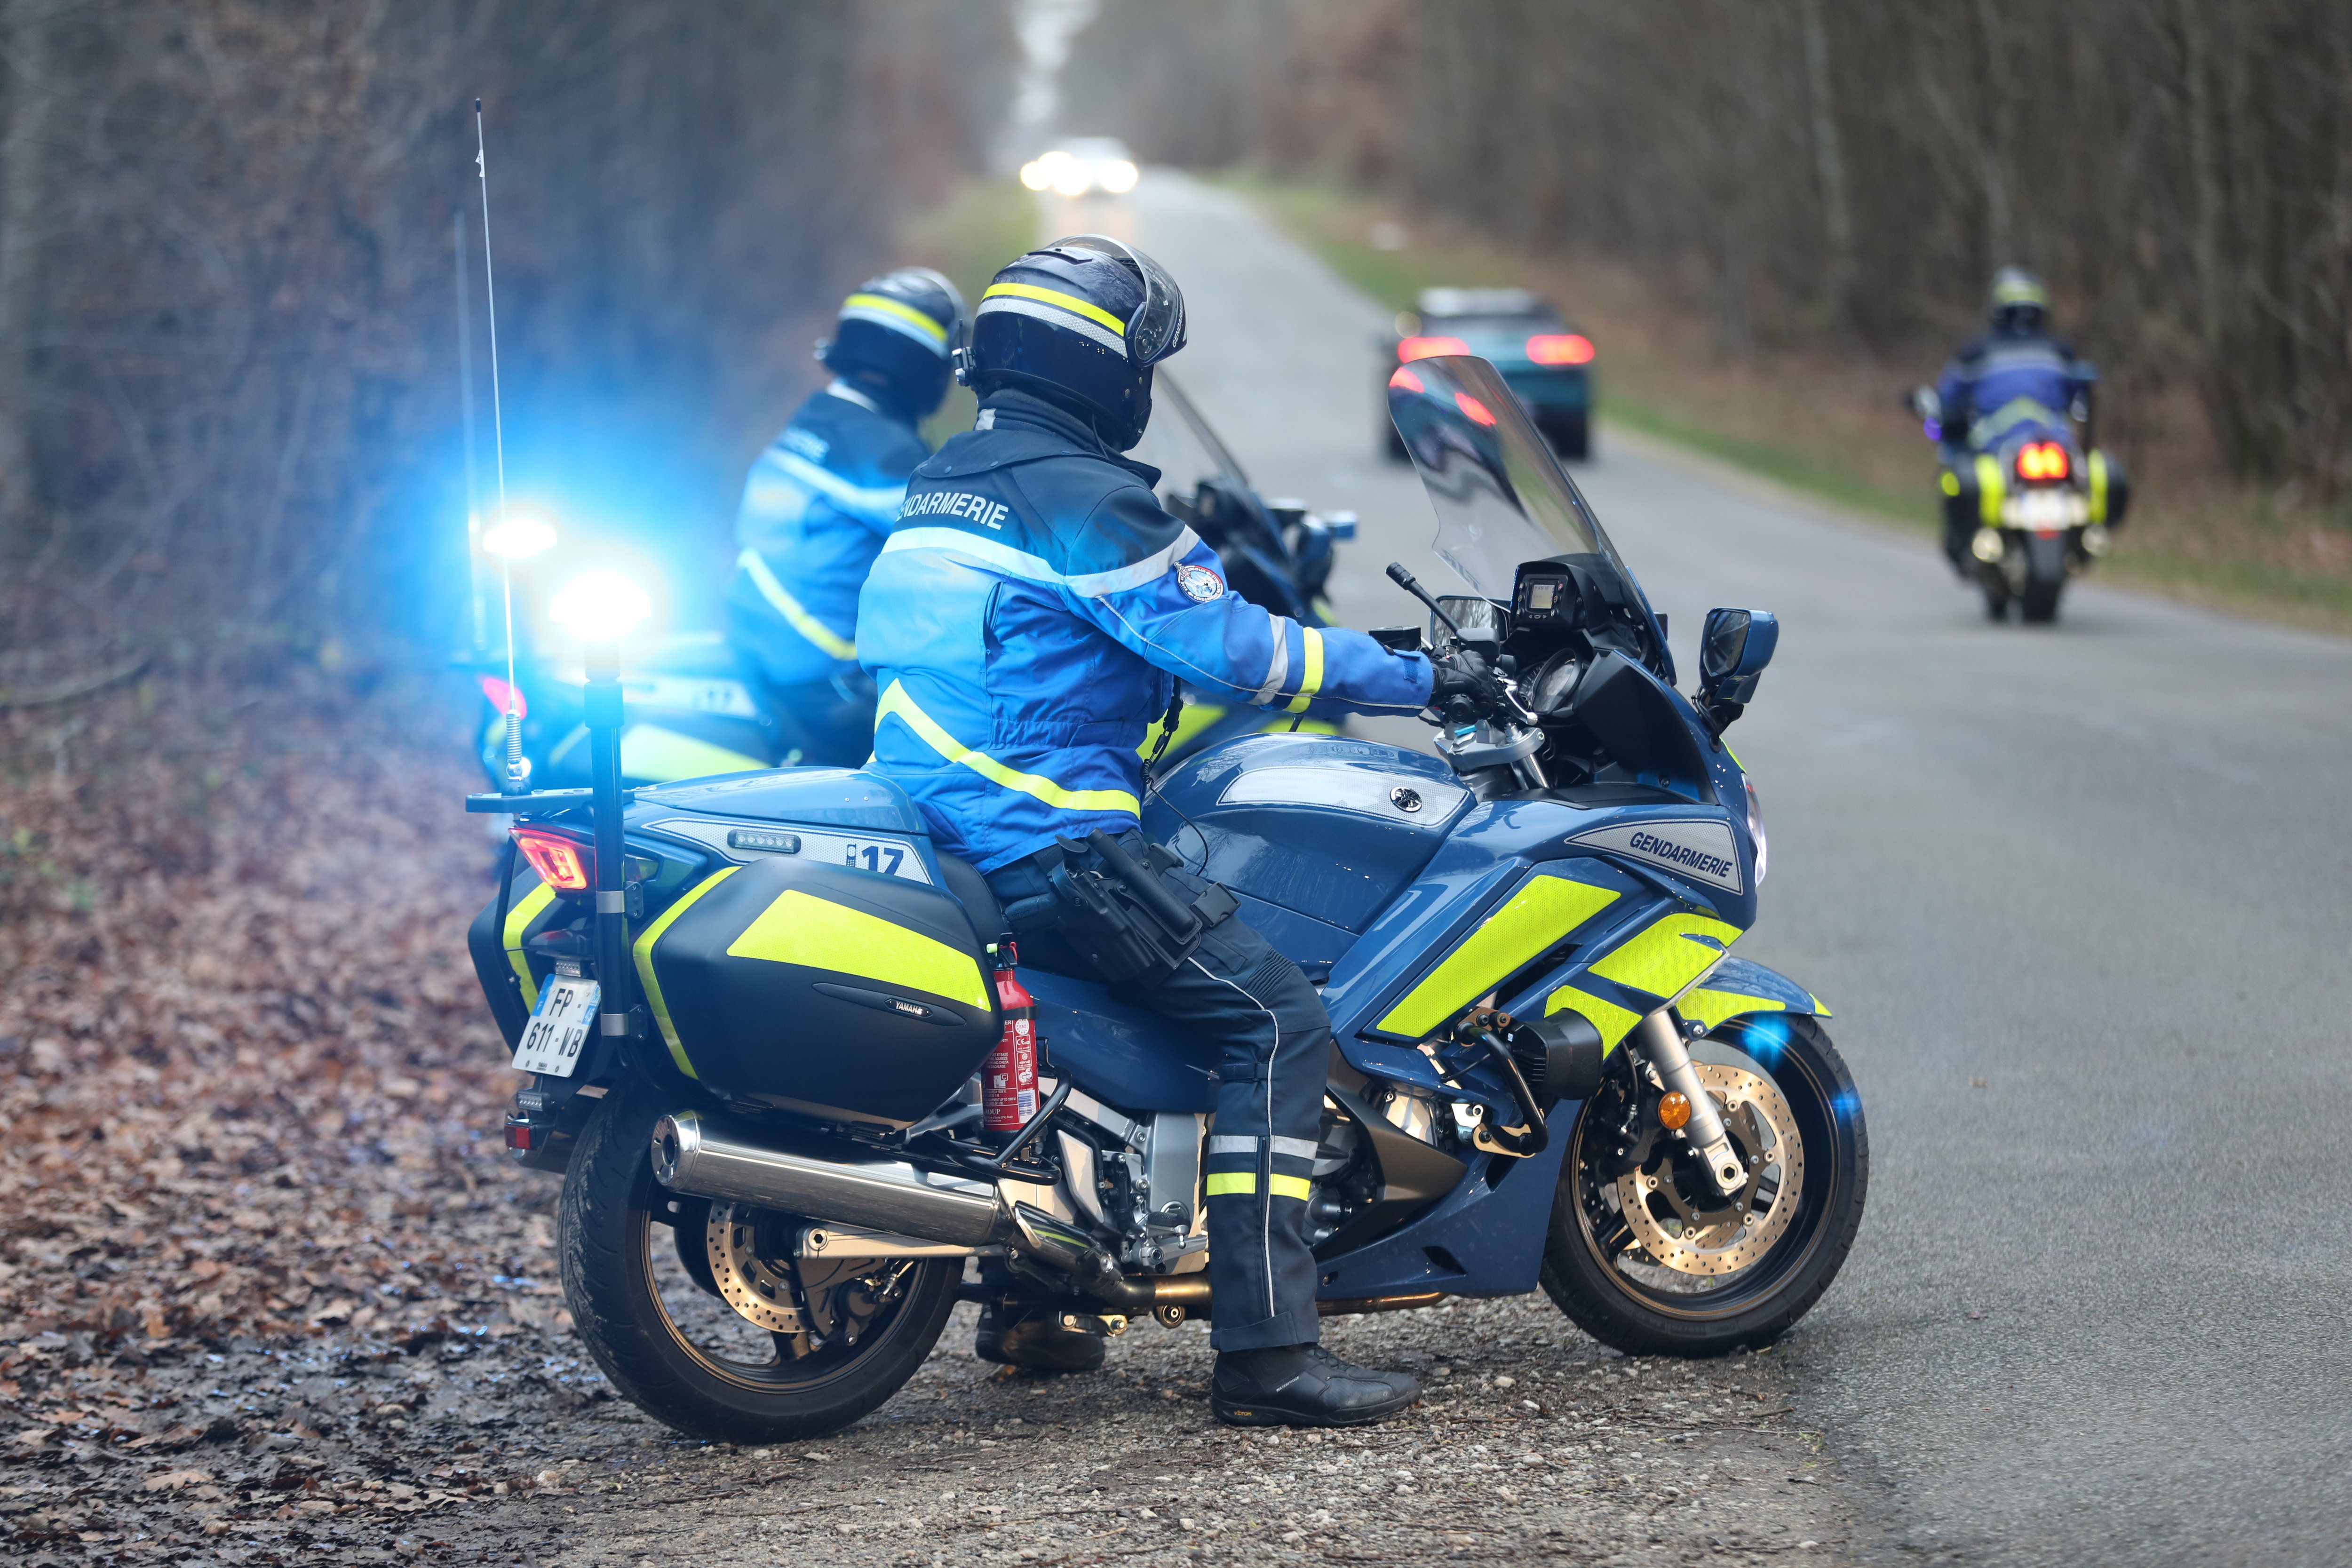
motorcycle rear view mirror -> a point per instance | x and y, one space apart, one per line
1924 403
1480 620
1734 647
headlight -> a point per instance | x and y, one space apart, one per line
1033 175
1755 829
1073 179
1118 176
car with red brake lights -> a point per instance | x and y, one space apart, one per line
1547 363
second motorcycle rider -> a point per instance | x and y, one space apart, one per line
819 501
1025 624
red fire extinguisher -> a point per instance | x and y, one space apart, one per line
1008 1079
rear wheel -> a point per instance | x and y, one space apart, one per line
1644 1253
2038 605
703 1319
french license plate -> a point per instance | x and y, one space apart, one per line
2044 512
552 1040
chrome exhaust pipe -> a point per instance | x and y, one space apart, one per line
710 1157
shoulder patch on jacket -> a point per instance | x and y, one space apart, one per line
1200 584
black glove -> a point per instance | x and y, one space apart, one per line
1461 681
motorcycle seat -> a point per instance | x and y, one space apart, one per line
978 900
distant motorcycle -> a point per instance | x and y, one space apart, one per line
1549 1069
2043 500
693 709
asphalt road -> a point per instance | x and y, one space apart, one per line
2081 897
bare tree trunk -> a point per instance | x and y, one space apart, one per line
1829 165
27 33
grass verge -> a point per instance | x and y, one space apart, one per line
1827 424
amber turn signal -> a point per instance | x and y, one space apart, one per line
1674 1111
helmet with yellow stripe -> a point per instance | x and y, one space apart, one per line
2018 303
1079 322
904 328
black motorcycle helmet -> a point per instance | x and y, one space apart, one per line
897 338
2019 304
1079 322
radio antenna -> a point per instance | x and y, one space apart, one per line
515 782
465 409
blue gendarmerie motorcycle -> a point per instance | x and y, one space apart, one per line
1552 1071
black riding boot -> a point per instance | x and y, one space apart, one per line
1305 1386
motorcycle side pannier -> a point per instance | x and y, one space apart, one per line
792 980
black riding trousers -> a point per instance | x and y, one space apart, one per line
1276 1039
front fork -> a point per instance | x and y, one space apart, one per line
1658 1039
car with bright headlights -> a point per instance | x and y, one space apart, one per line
1084 165
1544 359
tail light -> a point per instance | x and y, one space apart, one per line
564 864
2043 460
1475 411
1560 348
1412 348
498 691
1404 378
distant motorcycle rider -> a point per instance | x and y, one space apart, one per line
1026 622
820 499
2017 374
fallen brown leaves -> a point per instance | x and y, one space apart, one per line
248 1079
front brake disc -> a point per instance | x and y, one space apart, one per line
1722 1237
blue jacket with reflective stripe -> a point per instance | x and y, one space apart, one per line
1026 624
817 508
1999 383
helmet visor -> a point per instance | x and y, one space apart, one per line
1156 329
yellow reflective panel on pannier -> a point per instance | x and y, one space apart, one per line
800 928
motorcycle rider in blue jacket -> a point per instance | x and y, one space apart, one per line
2016 374
820 499
1026 622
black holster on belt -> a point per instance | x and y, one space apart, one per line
1121 918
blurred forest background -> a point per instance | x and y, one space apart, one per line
229 391
1773 213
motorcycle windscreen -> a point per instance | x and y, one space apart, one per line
1179 441
1501 498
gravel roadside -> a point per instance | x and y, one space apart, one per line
501 1445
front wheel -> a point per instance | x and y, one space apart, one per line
1644 1253
704 1320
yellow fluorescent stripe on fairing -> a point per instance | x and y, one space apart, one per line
643 952
800 928
1069 302
796 614
1988 488
1662 958
898 308
896 701
1613 1022
650 751
518 921
1195 718
2098 486
1539 915
1314 682
1243 1183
